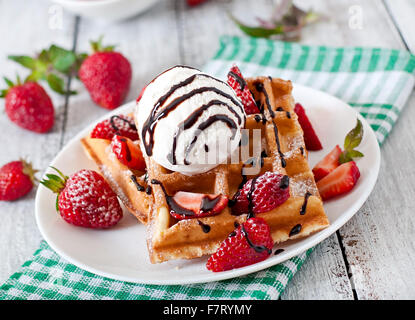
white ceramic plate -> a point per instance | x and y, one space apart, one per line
121 253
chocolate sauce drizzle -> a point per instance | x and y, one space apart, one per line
139 187
211 120
260 88
296 229
241 81
172 203
257 248
304 206
277 140
206 205
205 227
148 190
278 251
114 126
249 197
285 182
156 115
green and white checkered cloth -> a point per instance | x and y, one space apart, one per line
377 82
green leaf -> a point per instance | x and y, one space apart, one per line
56 83
258 32
352 140
9 83
354 137
61 59
3 93
25 61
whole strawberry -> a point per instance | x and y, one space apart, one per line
85 199
29 106
107 76
16 180
268 192
250 243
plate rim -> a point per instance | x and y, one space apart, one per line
274 260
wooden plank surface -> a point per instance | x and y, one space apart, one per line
23 32
403 12
374 248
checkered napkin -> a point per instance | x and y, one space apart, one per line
377 82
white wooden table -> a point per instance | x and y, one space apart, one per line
371 257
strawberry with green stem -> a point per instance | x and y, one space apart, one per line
337 173
84 199
106 75
17 179
28 105
338 156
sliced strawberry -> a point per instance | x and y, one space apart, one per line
118 124
250 243
269 191
341 180
238 84
128 153
327 164
188 205
312 142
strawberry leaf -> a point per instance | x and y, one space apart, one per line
57 84
286 22
61 59
354 137
259 32
352 140
25 61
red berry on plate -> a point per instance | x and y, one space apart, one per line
119 124
340 181
29 106
250 243
238 84
107 76
268 192
85 199
16 180
128 152
327 164
189 205
312 142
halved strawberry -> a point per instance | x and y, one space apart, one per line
327 164
268 192
312 142
250 243
128 153
188 205
341 180
117 124
238 84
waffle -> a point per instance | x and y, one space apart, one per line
284 152
130 185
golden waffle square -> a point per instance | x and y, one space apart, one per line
130 185
284 153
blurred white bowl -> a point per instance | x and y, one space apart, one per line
106 10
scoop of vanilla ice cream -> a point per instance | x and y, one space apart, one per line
189 121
